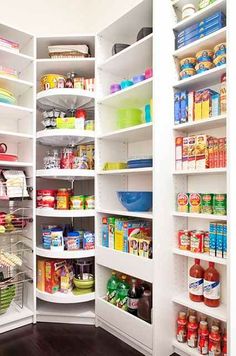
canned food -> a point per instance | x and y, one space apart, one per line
220 49
183 202
48 198
205 55
220 204
194 203
184 240
203 67
89 202
220 60
63 198
197 241
207 203
77 202
188 63
186 73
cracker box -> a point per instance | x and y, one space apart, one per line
198 106
177 112
178 153
145 247
216 152
52 277
222 151
207 103
191 111
184 107
202 161
41 274
134 245
111 231
192 152
211 160
185 153
105 232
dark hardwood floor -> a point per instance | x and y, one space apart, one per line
62 339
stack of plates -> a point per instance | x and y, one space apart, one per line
141 162
7 97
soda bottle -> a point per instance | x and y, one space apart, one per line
134 295
224 351
203 338
122 294
211 289
145 306
112 285
192 334
195 282
214 342
181 334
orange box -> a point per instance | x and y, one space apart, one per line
202 159
52 277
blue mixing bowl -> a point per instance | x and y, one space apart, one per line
136 201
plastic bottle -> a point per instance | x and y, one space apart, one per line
195 282
214 342
145 306
203 338
122 294
181 334
112 285
224 351
134 295
192 333
211 286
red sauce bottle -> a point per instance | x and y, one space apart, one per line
181 334
214 342
192 332
203 338
224 351
211 286
195 282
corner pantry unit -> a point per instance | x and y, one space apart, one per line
74 239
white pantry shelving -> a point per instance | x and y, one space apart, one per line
64 137
211 123
64 213
42 252
64 298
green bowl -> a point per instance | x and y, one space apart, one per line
129 117
83 284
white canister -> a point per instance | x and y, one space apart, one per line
188 10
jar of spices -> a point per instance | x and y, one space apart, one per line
63 199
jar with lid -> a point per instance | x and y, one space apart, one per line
63 199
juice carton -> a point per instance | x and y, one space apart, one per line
185 152
52 277
105 232
192 152
215 102
184 107
111 231
41 274
213 236
202 160
191 111
145 247
178 153
207 103
198 105
177 112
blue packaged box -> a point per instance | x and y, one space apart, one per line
184 107
224 246
219 16
177 110
212 238
219 245
105 232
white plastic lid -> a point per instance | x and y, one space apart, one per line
189 6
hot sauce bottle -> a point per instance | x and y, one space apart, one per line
192 332
181 334
214 342
211 286
224 351
195 282
203 338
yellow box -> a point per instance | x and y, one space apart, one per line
198 106
41 275
119 240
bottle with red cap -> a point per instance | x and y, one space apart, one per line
192 333
181 334
195 282
203 338
211 287
224 351
214 342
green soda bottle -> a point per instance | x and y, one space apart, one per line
122 294
112 285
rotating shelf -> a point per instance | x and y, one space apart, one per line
64 137
64 298
40 251
65 213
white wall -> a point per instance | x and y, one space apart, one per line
42 17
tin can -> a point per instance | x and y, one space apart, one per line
206 203
48 198
184 240
219 204
194 203
183 202
63 196
197 241
89 202
206 242
77 202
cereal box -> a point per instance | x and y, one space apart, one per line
215 101
177 112
52 277
212 237
207 103
192 152
202 152
105 233
198 106
41 274
211 160
178 153
134 245
222 151
184 107
145 247
185 153
216 152
191 111
111 231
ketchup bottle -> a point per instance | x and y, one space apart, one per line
203 338
214 342
224 351
181 334
211 286
195 282
192 333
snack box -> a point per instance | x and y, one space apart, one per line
184 107
52 276
207 102
41 274
185 153
198 105
217 16
177 110
145 248
201 149
178 153
111 231
105 232
192 152
65 122
215 101
191 109
90 155
88 241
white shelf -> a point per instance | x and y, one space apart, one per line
64 298
40 251
83 66
126 171
64 213
17 86
219 5
201 216
127 263
65 98
15 317
64 137
65 174
201 256
201 172
211 123
14 137
131 134
137 95
143 215
206 42
15 112
202 80
185 348
18 61
15 164
217 313
123 62
126 323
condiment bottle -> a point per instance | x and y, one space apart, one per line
144 306
69 81
223 95
214 342
203 338
224 351
181 334
211 286
192 333
134 295
195 282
